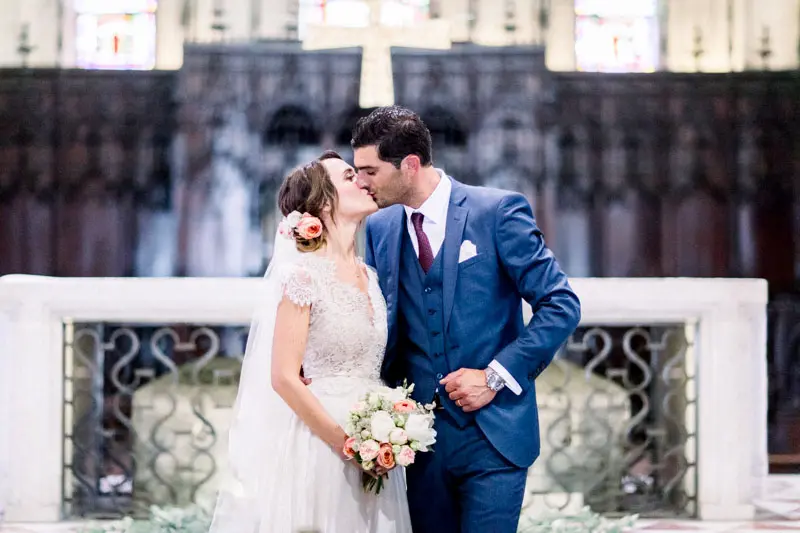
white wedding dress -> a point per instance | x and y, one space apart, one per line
297 483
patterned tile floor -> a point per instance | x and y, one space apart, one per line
720 527
779 512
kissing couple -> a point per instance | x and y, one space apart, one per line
437 302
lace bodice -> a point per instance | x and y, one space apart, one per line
348 329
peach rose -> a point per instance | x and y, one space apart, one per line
309 227
350 447
405 406
386 457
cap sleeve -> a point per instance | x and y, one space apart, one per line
298 285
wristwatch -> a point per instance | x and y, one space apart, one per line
493 380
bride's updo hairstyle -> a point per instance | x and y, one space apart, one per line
309 189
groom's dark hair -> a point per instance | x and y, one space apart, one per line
396 132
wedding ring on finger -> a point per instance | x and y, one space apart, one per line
458 403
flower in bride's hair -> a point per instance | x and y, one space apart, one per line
289 223
309 227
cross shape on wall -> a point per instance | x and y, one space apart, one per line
376 41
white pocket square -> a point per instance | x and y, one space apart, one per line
468 251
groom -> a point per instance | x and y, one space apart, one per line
454 264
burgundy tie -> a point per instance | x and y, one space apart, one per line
425 251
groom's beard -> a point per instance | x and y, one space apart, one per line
396 190
392 198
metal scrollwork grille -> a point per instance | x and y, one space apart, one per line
147 411
617 412
144 408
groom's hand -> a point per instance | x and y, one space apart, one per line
467 387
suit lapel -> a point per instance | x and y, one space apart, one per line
456 221
394 240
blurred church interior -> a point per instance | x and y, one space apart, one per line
654 138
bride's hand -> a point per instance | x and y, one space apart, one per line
339 450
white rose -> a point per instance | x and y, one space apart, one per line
381 424
293 218
394 395
420 428
398 436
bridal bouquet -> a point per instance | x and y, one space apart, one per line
386 429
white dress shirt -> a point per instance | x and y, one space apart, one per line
434 209
434 224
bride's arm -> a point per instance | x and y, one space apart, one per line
289 343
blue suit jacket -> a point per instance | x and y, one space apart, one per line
483 303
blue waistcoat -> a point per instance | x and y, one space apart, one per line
421 324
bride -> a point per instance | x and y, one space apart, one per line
321 309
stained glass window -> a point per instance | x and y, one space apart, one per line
616 35
355 13
116 34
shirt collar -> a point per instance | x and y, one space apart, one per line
435 207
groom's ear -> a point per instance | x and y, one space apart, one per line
411 163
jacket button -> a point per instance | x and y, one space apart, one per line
427 290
